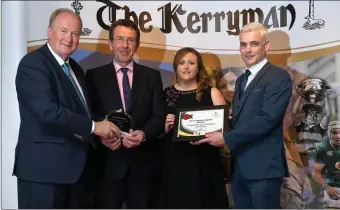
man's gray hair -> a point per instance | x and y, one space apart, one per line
63 10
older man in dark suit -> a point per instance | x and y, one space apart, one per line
256 142
56 126
130 164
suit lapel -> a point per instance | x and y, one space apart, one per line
59 71
237 88
111 88
236 98
80 78
248 90
137 83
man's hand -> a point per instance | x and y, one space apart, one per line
215 139
169 122
134 139
333 193
106 129
111 143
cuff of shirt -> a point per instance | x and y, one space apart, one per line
93 127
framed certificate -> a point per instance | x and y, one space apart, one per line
191 124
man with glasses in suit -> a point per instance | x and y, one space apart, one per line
130 168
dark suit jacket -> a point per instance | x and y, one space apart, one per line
54 129
256 138
146 109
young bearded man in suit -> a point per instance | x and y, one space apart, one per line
56 126
129 164
256 142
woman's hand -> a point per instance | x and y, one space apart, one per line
169 122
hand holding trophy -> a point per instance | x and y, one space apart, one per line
123 122
121 119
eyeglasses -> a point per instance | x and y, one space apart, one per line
121 40
251 44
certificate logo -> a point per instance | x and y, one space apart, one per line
215 115
187 116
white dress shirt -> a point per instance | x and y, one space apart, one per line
61 62
254 70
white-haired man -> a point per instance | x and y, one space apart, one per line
261 98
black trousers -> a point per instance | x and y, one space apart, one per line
138 192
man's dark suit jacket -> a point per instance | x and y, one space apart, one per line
256 138
146 109
54 130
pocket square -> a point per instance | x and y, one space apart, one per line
257 90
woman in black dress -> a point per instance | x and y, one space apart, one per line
192 175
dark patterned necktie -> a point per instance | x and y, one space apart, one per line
126 88
244 82
67 70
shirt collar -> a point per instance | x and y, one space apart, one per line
118 67
257 67
56 56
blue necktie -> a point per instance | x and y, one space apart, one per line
68 73
126 88
244 82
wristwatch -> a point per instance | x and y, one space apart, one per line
325 185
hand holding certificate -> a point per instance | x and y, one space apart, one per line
214 139
191 124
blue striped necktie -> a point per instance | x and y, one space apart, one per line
126 88
67 70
